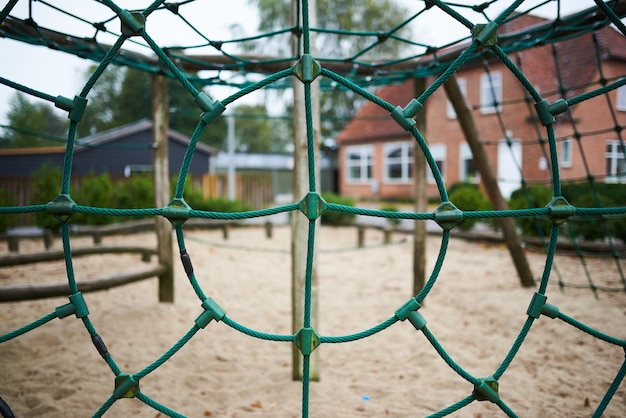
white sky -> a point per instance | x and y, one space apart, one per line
57 73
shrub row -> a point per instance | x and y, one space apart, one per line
100 191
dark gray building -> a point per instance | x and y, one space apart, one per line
118 152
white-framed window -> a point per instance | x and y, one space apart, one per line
450 113
438 152
621 98
359 163
615 162
467 167
566 152
490 91
398 162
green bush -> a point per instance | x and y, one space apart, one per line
597 195
528 198
7 199
136 192
46 186
468 196
96 191
332 217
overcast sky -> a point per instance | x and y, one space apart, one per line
61 74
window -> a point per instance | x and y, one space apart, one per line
359 163
566 152
467 171
621 98
490 92
450 113
438 152
398 162
615 162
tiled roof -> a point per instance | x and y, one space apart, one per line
373 122
577 66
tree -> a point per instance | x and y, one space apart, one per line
338 18
123 95
32 124
257 132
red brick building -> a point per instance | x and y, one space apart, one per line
375 153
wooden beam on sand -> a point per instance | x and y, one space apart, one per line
42 291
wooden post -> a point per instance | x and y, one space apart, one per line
299 223
160 163
489 180
421 197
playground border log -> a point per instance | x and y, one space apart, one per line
42 291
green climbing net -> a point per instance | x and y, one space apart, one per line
353 73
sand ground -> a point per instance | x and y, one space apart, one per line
475 310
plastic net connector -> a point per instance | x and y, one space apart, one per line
536 305
560 210
487 390
448 216
307 340
485 34
313 205
65 310
546 110
212 311
409 311
79 104
404 116
62 207
177 211
80 306
211 110
125 386
307 69
132 22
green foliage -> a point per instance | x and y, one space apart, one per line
96 191
46 186
135 192
468 196
256 132
33 124
527 198
7 199
596 195
331 217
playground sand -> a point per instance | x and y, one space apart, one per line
476 310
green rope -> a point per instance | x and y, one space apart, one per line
483 44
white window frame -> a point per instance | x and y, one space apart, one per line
439 153
621 98
365 163
567 149
613 156
405 160
450 112
490 92
465 153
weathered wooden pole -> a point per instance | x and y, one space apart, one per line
421 197
160 164
489 180
300 224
